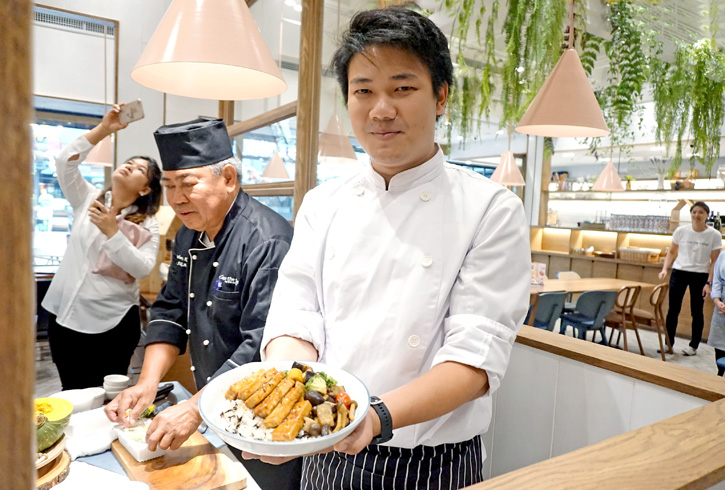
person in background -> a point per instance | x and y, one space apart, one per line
223 269
692 255
413 274
716 338
94 322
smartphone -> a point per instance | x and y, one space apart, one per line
133 111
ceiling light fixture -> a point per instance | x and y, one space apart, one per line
275 168
565 107
608 180
507 172
209 49
102 153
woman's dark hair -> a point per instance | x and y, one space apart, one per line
147 205
702 205
399 28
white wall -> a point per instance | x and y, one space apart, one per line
549 405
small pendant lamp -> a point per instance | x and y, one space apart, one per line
507 172
209 49
335 146
608 180
102 153
565 107
275 168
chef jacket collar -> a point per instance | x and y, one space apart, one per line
412 177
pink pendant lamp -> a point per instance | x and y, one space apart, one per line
507 172
608 180
275 169
565 107
209 49
335 146
102 153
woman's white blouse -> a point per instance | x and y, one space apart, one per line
388 283
83 301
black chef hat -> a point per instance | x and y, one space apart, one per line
193 143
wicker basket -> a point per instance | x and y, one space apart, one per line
635 254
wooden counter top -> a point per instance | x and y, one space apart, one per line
684 451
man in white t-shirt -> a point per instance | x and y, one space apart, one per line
694 250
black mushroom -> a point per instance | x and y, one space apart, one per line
314 397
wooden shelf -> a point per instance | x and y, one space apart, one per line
669 195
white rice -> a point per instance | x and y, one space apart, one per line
241 420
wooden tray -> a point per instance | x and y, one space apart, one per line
52 474
196 464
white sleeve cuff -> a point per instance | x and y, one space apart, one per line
304 325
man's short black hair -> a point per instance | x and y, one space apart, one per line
397 28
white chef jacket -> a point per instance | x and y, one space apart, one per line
83 301
388 283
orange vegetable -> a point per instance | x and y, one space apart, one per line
343 398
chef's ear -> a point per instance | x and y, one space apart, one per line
229 174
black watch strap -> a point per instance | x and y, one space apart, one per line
386 421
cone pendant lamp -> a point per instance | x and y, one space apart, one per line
507 172
209 49
102 153
565 107
608 180
275 168
335 146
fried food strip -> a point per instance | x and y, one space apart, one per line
264 390
234 390
283 408
250 389
266 407
342 417
291 426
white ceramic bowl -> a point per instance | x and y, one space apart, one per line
81 399
212 403
99 395
115 382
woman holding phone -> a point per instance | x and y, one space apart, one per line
94 323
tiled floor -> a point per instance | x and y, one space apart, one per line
47 381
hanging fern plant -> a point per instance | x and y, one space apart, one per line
708 101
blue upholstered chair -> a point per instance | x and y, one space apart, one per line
548 310
591 309
569 305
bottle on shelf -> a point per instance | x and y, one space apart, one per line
710 219
718 224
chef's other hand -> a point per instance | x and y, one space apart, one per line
136 398
171 427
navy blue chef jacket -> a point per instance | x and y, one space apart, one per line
217 297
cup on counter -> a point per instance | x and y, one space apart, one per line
115 384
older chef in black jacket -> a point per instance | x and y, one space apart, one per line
223 270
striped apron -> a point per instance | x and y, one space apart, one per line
444 467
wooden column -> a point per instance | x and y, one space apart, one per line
308 99
226 111
17 437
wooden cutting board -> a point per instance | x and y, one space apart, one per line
195 465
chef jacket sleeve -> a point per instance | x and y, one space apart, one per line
260 276
295 309
75 188
718 276
138 262
167 317
489 299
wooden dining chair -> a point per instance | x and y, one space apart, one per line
622 317
656 317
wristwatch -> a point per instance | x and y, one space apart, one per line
386 421
709 283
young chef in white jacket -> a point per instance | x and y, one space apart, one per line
93 298
413 274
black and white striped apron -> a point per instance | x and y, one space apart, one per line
444 467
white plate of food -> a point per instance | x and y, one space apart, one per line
289 414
